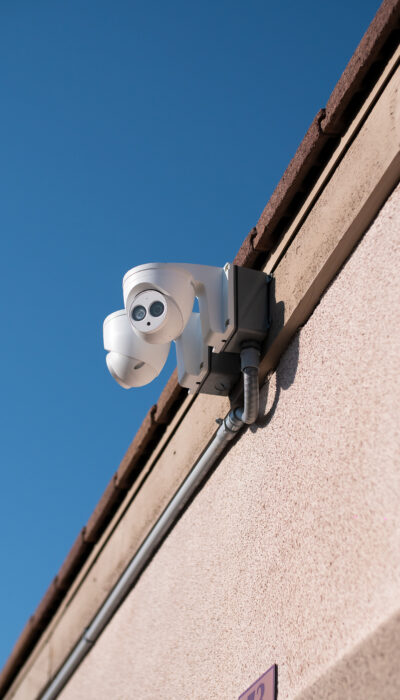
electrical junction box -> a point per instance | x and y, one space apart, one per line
248 300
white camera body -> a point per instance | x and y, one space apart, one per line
145 285
159 299
179 284
130 360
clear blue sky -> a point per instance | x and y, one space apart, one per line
131 132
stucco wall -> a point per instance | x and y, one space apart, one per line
291 552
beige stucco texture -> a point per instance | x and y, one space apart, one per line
290 554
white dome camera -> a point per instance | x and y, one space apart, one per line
158 300
130 360
233 304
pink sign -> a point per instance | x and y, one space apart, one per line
264 688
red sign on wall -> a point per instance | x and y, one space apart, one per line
264 688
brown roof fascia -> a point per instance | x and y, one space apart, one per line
247 254
105 509
73 562
364 67
45 610
374 50
150 432
22 648
170 400
362 71
35 625
293 187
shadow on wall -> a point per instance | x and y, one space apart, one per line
285 373
370 670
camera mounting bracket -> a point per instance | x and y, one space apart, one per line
216 370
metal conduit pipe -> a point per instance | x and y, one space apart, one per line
249 362
229 428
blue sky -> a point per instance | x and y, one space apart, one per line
131 132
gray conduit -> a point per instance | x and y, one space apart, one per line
229 427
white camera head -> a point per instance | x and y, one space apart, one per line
158 300
130 360
158 297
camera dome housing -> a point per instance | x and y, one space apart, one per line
147 286
130 360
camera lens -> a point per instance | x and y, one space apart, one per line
138 313
157 308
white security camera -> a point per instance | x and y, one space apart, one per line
159 299
130 360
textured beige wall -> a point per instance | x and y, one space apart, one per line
291 552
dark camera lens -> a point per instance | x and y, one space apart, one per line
157 308
138 313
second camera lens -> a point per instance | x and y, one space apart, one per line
157 308
138 313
